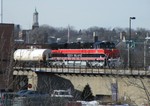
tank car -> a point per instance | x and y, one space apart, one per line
31 56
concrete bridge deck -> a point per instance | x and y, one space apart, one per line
87 71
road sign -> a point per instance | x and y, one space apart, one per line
131 43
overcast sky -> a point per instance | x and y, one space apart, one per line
81 14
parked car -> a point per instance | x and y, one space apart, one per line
6 98
30 98
61 93
31 93
21 92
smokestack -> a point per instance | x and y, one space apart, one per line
68 34
95 37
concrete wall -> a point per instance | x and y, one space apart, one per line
128 87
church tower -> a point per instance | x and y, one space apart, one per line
35 20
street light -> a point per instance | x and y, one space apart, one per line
129 52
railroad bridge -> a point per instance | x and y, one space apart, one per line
118 84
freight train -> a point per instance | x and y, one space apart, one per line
101 55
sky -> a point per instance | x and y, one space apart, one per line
80 14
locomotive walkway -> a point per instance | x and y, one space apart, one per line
87 71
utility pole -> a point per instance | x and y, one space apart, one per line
1 11
128 47
145 43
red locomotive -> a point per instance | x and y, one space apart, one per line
96 57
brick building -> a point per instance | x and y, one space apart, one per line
6 51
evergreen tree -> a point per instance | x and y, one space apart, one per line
87 94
